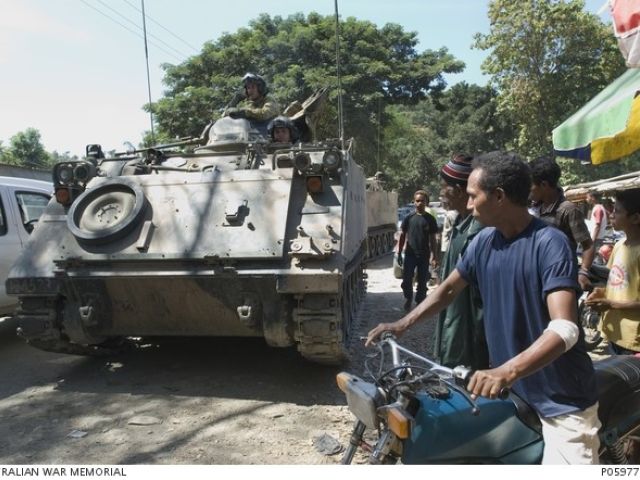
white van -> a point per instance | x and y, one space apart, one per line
22 201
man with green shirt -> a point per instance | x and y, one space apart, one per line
460 338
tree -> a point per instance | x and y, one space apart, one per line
379 66
26 150
420 139
547 59
56 157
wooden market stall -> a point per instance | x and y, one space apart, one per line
578 193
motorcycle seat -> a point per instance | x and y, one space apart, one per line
525 413
618 381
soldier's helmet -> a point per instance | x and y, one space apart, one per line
283 122
258 80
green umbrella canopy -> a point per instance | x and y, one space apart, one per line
607 127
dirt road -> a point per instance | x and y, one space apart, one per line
202 401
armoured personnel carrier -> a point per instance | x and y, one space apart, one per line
382 216
224 235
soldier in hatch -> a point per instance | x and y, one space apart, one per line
282 130
255 106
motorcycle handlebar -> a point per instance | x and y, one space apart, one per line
387 335
460 375
464 374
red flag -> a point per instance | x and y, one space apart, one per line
626 25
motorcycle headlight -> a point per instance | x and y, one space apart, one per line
363 398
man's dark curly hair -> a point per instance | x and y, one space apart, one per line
630 200
545 169
507 171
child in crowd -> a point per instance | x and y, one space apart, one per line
621 301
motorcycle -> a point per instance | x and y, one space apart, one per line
588 317
422 413
606 247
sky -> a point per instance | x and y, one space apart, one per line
75 69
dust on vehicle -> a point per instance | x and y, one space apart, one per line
227 234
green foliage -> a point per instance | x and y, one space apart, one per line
26 150
420 139
411 153
56 157
547 58
297 55
574 172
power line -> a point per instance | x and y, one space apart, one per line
163 27
138 27
129 30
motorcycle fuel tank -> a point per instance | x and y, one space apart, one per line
445 432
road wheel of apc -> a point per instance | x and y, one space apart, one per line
107 213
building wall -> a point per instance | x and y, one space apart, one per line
23 172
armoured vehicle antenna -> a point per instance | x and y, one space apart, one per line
146 56
340 118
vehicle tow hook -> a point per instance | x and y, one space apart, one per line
245 314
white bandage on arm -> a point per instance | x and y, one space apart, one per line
566 329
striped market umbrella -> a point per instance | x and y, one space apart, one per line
605 129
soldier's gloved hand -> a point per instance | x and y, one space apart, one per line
236 113
399 259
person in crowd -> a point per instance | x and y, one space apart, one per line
607 203
256 106
621 301
282 130
552 207
459 335
449 221
418 233
527 276
597 219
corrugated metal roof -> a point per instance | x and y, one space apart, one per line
578 192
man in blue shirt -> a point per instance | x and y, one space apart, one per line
527 278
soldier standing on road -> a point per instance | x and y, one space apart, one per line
256 106
459 336
418 232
